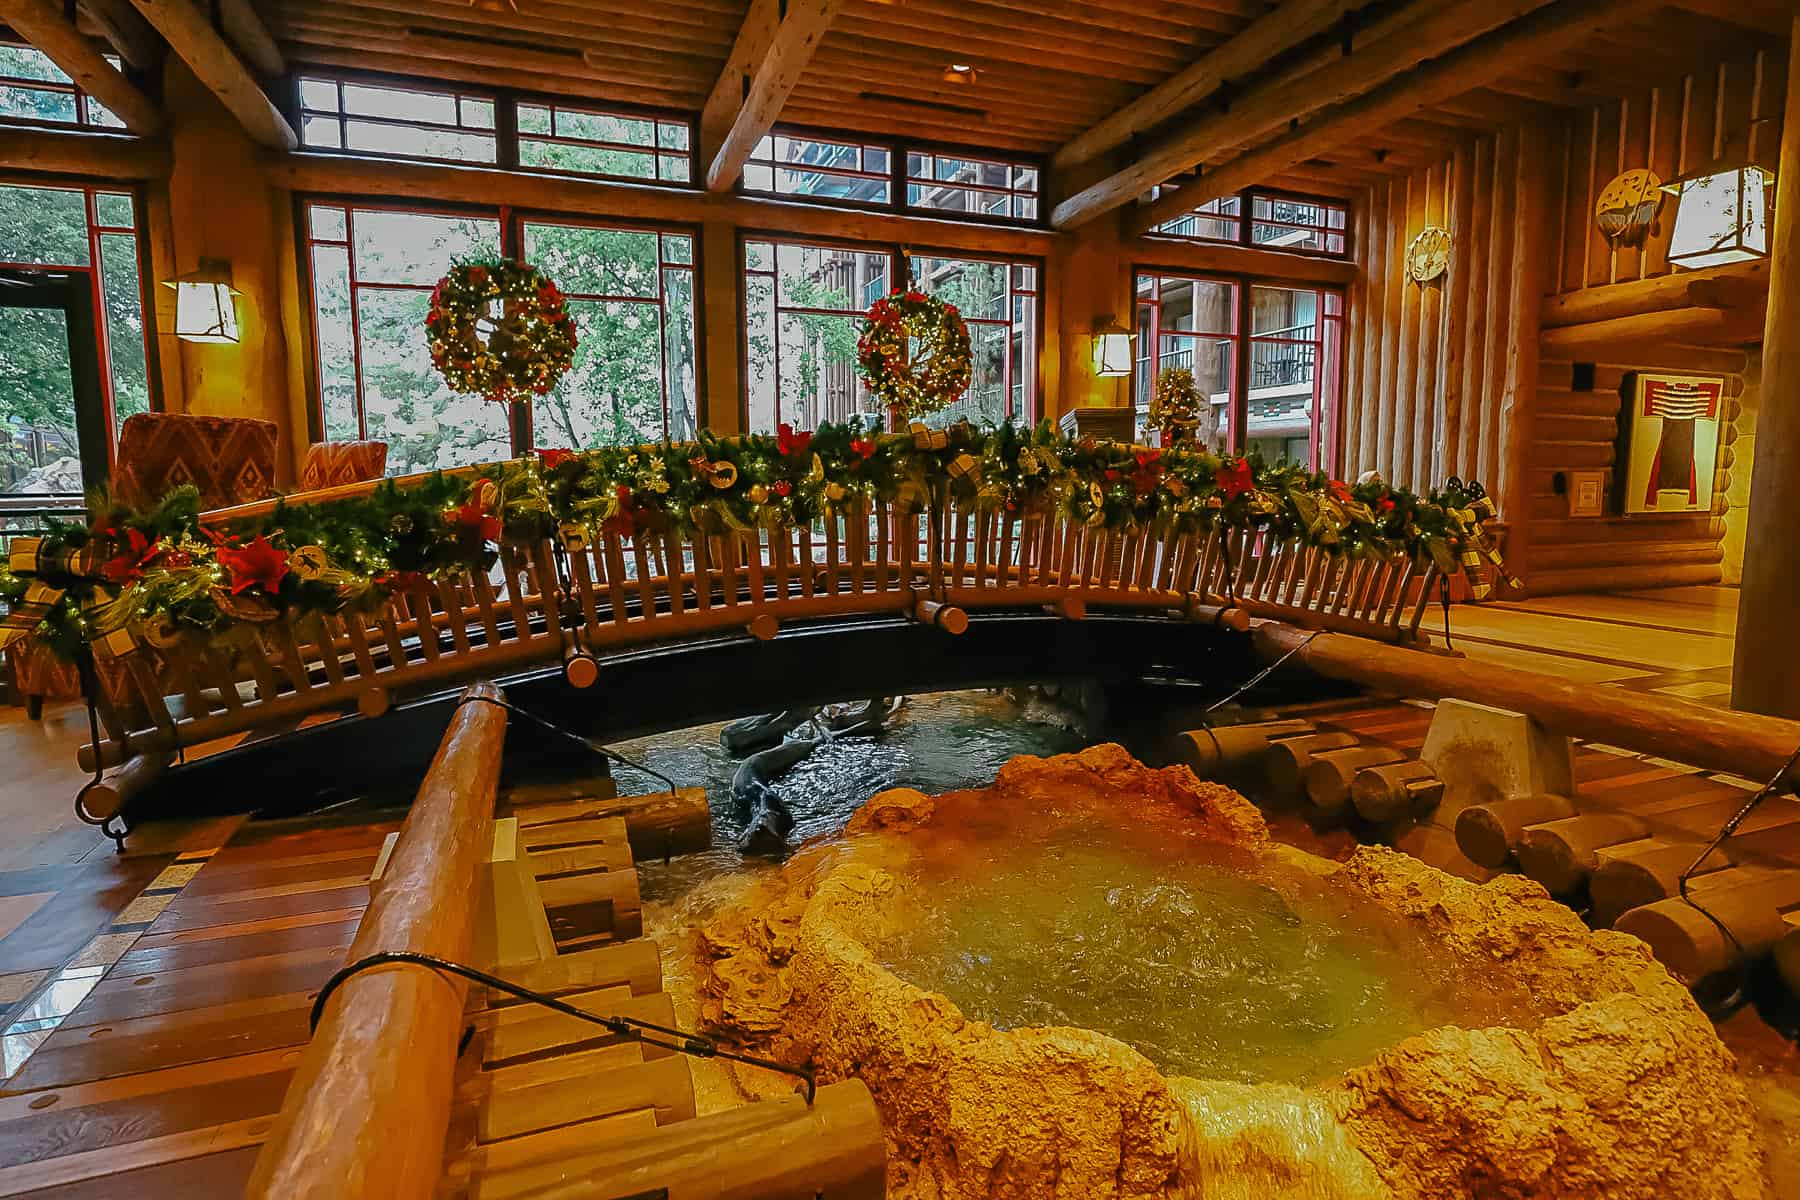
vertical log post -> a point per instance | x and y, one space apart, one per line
1762 680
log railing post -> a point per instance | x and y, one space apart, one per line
369 1105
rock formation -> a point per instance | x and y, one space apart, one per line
1621 1089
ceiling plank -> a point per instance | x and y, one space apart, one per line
128 32
246 31
772 49
1546 32
42 23
1282 30
1272 104
191 35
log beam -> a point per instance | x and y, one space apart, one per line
1277 32
773 46
186 28
127 30
108 155
1739 285
1692 324
246 31
1274 103
42 23
1549 31
1762 679
1712 739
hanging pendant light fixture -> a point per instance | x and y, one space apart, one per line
1112 348
205 303
1721 216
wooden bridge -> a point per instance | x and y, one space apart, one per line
575 602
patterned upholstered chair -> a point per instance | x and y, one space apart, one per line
230 459
332 464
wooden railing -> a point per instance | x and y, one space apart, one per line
577 601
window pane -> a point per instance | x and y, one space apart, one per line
30 104
419 142
28 62
801 332
1169 309
120 287
793 166
1199 305
672 136
418 248
986 187
337 342
115 210
327 224
613 394
677 249
594 142
673 170
43 226
436 107
322 131
978 289
99 114
404 398
38 451
534 118
595 262
1214 221
477 114
1004 355
321 94
1284 312
586 160
605 127
681 354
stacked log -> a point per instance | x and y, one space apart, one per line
1490 833
1396 792
1740 910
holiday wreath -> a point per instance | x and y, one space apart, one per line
499 329
914 353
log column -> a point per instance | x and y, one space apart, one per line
1763 679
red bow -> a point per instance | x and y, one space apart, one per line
257 565
863 447
475 522
791 443
1234 479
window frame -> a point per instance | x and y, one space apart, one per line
900 257
343 116
91 190
84 121
1327 428
1247 221
506 101
898 179
512 220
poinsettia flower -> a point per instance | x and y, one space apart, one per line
417 582
1340 491
258 564
863 448
131 557
553 457
474 521
1234 478
1148 473
791 443
1385 505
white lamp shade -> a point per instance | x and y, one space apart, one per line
1112 354
1721 218
205 312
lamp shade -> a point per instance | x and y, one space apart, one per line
205 305
1112 354
1721 217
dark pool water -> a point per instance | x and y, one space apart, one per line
937 742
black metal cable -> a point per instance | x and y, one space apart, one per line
1264 673
1739 993
569 734
650 1034
1444 600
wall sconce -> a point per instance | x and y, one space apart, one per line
204 307
1112 348
1721 216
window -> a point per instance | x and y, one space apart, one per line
1277 222
794 166
372 274
1290 360
803 306
585 141
959 183
999 302
407 122
631 293
90 232
32 88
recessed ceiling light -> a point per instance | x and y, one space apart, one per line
960 73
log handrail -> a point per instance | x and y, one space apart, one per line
369 1105
1739 743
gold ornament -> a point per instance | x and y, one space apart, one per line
309 562
724 475
759 494
1096 495
834 492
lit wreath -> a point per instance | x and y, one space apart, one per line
499 329
935 371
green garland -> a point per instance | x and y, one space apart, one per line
163 575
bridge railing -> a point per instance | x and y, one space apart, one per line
579 599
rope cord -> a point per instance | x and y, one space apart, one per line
650 1034
570 735
1740 967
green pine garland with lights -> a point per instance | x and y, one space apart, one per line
165 576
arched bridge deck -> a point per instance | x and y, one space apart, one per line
868 601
